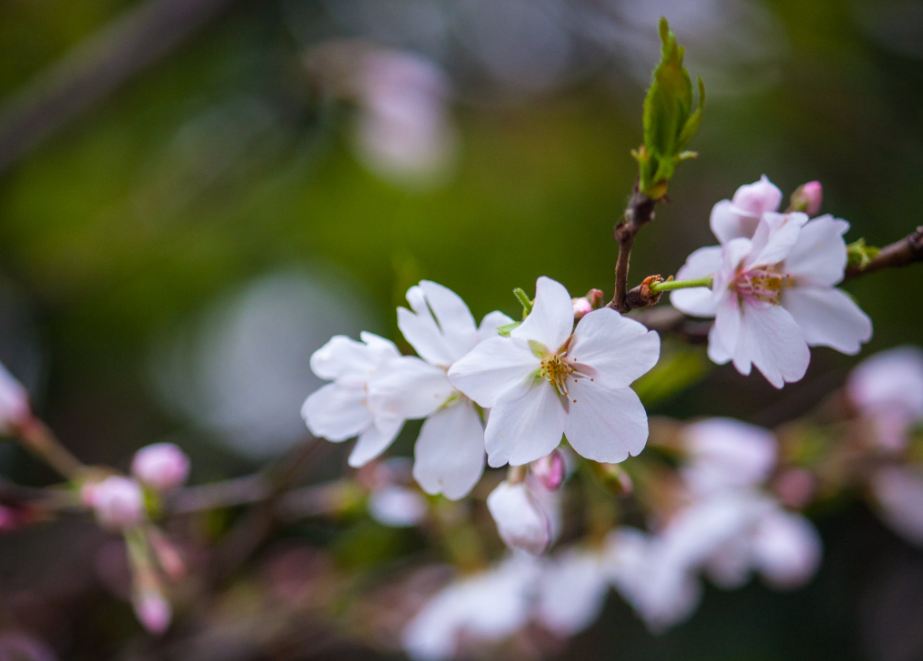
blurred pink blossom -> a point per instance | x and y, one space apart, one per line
117 501
161 466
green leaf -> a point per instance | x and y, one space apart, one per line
859 254
669 120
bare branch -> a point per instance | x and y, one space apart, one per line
639 213
902 253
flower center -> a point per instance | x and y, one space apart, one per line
762 284
556 370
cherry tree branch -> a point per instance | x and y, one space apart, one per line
639 213
901 253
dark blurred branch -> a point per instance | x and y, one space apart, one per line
95 68
639 213
902 253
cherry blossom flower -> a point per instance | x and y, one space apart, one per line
341 410
739 216
14 403
888 389
161 466
898 492
396 506
521 516
449 453
548 379
774 295
118 502
726 453
484 608
572 590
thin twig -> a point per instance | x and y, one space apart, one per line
640 212
901 253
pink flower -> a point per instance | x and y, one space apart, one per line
774 295
899 494
14 403
161 466
153 611
117 501
521 519
726 453
738 217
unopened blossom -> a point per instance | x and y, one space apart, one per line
550 470
153 611
521 518
118 502
14 403
898 494
808 198
341 409
774 295
449 453
547 379
161 466
481 609
888 390
726 453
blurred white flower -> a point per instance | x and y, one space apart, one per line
118 502
548 379
572 591
521 518
396 506
726 453
898 492
888 389
483 608
161 466
14 403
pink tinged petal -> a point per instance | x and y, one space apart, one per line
337 412
490 323
525 429
727 327
700 301
786 549
572 593
617 350
605 424
726 453
890 383
899 492
776 236
759 197
729 222
449 454
344 357
497 369
408 388
520 521
772 340
819 257
828 317
375 440
729 567
552 317
716 351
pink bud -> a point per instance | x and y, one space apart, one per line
161 466
549 470
117 501
153 611
582 307
168 555
520 519
808 198
14 403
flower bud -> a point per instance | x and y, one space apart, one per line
117 501
14 403
153 611
808 198
550 470
167 554
161 466
520 520
586 304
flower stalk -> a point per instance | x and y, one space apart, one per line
671 285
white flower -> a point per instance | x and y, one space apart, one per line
774 295
544 381
888 389
397 506
520 516
449 453
14 403
572 591
726 453
161 466
899 494
484 608
738 217
118 502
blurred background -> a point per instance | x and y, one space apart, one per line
196 194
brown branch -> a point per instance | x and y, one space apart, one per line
95 69
902 253
639 213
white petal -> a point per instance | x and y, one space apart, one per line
524 429
421 331
336 412
490 323
899 492
716 351
572 592
552 316
729 222
828 317
819 256
700 301
726 453
771 339
890 381
787 549
775 237
520 521
497 369
397 507
374 440
453 316
407 387
605 424
617 350
729 567
449 454
759 197
343 356
727 328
